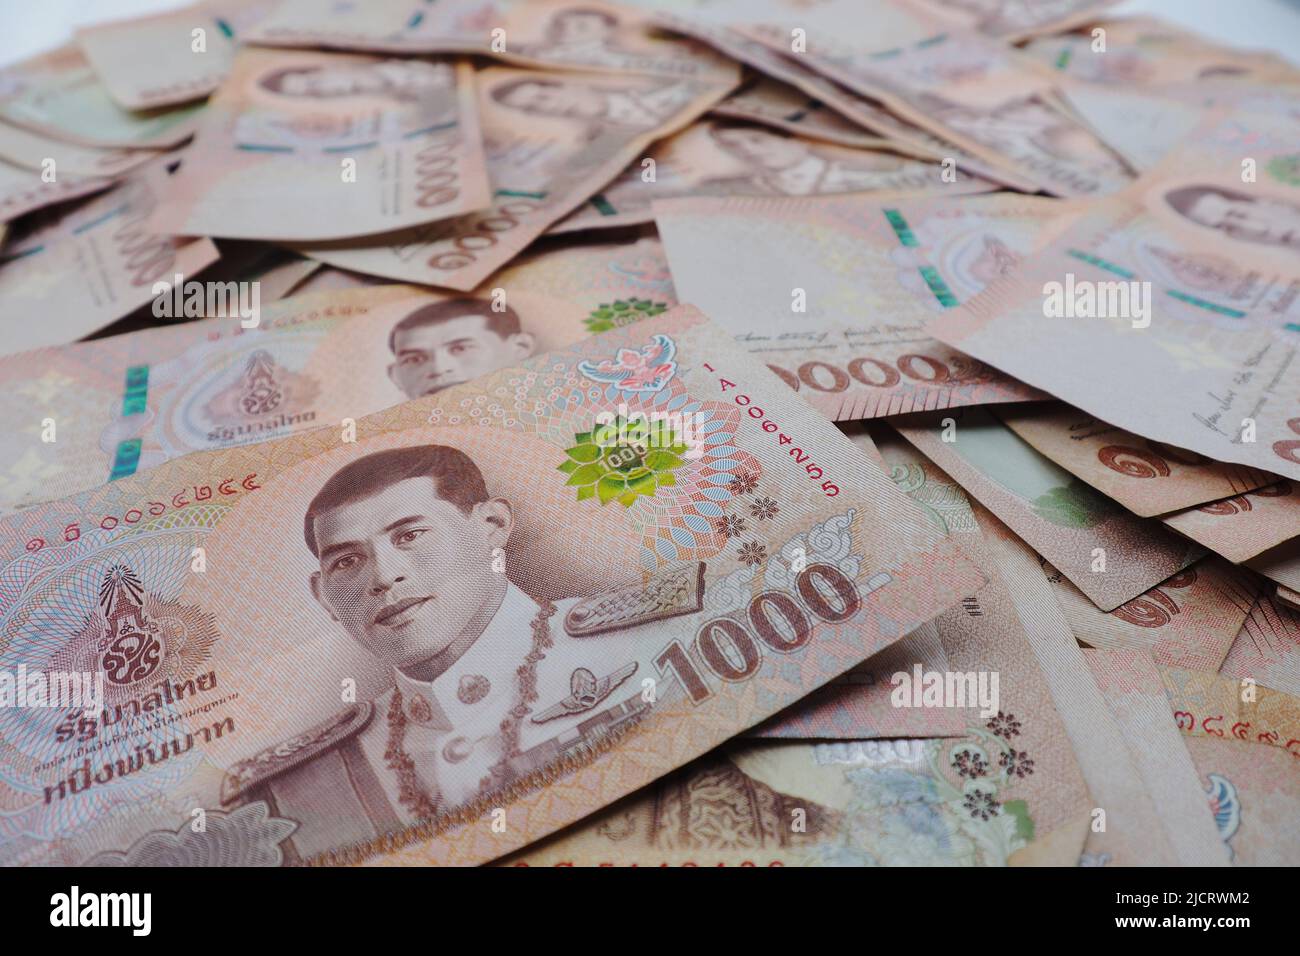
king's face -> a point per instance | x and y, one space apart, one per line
404 571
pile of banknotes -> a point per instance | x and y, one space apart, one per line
682 432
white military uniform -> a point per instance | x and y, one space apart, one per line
533 694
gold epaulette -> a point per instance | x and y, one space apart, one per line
276 759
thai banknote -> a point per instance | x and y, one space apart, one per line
189 51
1254 794
1189 620
131 402
785 107
1014 19
1107 553
1130 829
1188 333
91 265
552 140
562 34
59 94
972 91
54 158
511 601
23 190
1146 477
950 674
1216 705
834 293
979 800
1288 597
1243 526
1139 52
713 158
1267 648
1135 694
864 111
315 146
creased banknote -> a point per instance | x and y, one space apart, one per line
1267 648
715 158
1188 334
352 642
1014 19
23 190
90 265
315 146
834 293
1243 526
782 106
1146 477
864 111
45 154
59 94
1107 553
1133 690
189 51
1133 830
131 402
972 91
1189 620
552 140
557 34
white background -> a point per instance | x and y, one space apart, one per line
30 26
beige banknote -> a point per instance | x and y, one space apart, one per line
91 265
1173 335
316 146
1254 794
785 107
1190 620
866 112
558 34
1142 52
552 141
1146 477
1131 832
358 641
1107 553
981 643
168 58
834 293
1134 692
131 402
1288 597
1243 526
54 158
995 797
1267 648
1013 20
59 94
1217 705
720 158
973 91
23 190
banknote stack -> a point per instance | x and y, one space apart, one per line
729 432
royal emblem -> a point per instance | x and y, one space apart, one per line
133 645
585 692
137 638
636 370
260 394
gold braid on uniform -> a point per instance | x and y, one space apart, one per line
500 774
409 792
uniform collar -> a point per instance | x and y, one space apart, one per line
483 673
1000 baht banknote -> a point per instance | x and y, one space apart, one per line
456 627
